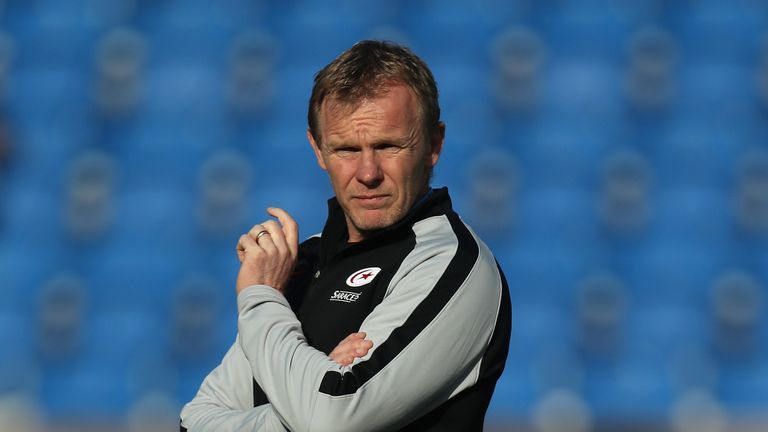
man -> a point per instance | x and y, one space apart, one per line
422 299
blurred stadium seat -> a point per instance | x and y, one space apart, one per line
601 305
194 317
224 182
519 55
120 59
625 192
737 307
60 317
89 208
251 83
653 56
493 184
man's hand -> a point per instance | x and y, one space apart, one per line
267 253
353 346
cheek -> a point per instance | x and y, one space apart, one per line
417 169
340 172
403 171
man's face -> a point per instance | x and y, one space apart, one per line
377 157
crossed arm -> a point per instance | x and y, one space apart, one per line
397 381
225 399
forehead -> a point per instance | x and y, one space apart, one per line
394 109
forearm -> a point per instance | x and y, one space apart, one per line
224 401
285 366
206 416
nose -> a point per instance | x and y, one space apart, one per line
368 169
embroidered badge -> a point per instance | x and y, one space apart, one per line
345 296
362 277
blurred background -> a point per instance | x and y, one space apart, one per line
613 154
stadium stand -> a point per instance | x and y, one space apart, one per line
613 154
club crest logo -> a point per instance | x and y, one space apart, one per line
362 277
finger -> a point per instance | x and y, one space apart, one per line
277 236
339 355
354 348
346 344
244 245
290 228
349 344
344 349
352 337
255 233
240 248
364 344
255 230
362 347
263 237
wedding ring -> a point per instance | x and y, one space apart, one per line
261 233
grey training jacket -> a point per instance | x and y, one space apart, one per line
427 292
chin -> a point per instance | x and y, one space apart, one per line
376 222
367 225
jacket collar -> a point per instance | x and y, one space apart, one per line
335 235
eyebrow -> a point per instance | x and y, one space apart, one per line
405 139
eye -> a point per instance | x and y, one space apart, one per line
345 151
387 147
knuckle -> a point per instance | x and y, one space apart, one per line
255 228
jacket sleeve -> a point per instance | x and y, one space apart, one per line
429 335
225 400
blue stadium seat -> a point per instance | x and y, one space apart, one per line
20 371
728 31
553 216
693 216
99 386
743 385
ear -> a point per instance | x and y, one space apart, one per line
436 144
316 149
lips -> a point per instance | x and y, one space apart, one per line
370 201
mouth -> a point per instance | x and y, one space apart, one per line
370 201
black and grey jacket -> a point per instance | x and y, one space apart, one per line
427 292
